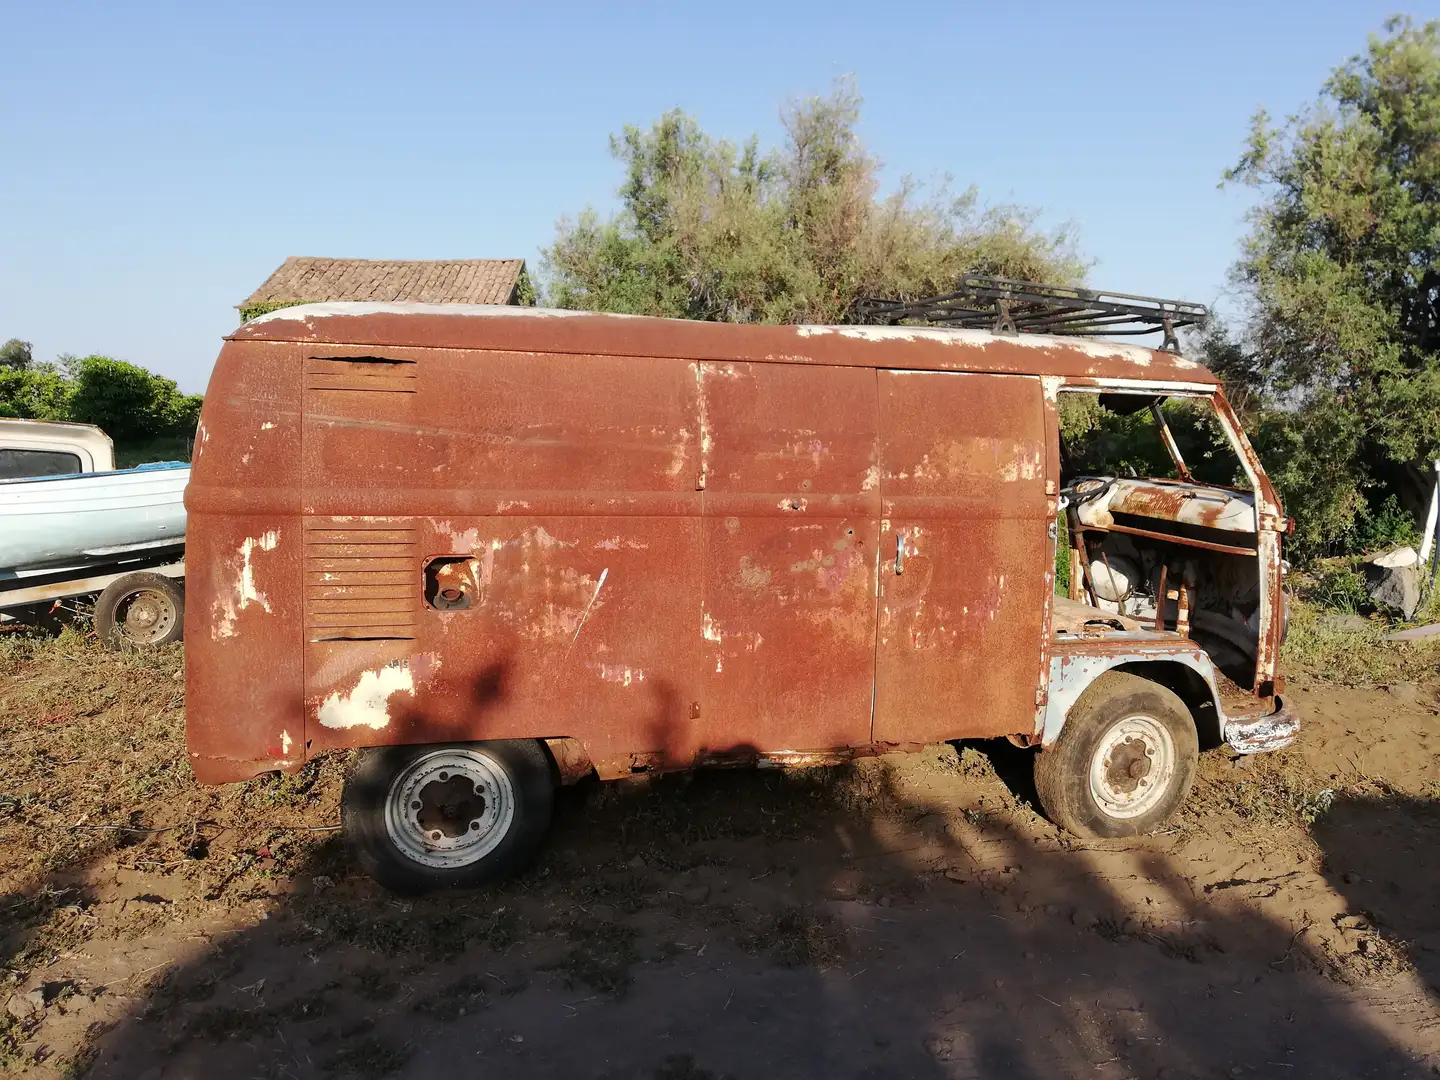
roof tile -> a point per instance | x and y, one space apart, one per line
451 281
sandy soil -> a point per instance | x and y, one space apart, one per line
913 917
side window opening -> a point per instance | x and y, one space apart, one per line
1118 435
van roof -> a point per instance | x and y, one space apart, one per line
528 329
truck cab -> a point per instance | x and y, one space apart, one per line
52 448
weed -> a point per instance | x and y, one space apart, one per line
222 1022
433 933
371 1059
600 956
375 983
683 1067
796 938
13 1033
463 997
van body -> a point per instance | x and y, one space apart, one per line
646 544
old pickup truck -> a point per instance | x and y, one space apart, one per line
75 531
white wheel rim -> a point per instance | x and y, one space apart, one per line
1133 767
449 808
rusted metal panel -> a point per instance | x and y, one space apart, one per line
454 326
791 506
243 593
963 546
566 517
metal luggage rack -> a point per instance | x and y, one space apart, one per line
1005 306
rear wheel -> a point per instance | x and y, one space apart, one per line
140 609
421 818
1124 761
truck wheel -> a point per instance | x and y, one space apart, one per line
140 609
1124 761
440 817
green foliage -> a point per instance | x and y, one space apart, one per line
38 392
1342 275
1385 527
525 294
130 403
709 229
1098 442
1333 585
145 414
16 354
254 311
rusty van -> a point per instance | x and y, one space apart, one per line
503 548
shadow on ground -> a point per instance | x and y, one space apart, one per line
835 923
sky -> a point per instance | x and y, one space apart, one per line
161 160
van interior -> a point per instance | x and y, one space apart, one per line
1161 524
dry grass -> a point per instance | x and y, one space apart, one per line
1320 648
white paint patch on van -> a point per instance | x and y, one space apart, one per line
267 426
285 742
793 505
872 479
544 541
245 589
615 543
461 540
243 593
1136 354
506 505
368 703
306 312
620 673
1025 466
678 455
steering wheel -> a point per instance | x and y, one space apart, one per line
1085 489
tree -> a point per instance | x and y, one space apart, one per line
1341 274
16 355
131 404
711 230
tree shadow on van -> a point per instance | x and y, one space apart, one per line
874 920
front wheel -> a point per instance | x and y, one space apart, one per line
421 818
1124 761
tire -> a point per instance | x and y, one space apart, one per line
405 823
140 609
1081 779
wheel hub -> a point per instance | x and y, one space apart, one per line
450 808
145 616
1129 764
1133 766
142 615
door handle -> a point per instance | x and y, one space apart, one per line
899 553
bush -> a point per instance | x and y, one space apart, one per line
145 414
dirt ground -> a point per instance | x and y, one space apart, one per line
911 917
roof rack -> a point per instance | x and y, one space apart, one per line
1005 306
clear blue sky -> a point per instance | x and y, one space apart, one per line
161 160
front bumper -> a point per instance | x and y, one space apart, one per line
1274 731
